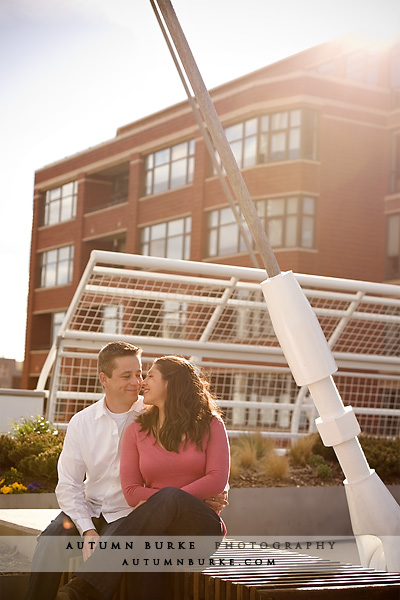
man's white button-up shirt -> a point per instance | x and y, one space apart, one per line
88 467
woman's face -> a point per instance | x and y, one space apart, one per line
155 388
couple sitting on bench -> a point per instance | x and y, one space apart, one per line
132 465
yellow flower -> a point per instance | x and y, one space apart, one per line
6 489
2 481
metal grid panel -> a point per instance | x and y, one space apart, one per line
216 315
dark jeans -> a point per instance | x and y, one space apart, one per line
44 585
168 512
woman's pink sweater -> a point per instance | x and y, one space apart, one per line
146 467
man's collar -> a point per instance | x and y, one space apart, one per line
101 407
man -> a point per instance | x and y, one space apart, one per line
89 491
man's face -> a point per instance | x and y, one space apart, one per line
123 387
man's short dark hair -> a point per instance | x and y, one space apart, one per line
113 350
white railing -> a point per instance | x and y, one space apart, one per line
216 315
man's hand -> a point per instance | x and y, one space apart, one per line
218 502
90 539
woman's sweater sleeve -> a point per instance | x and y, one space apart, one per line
216 475
132 482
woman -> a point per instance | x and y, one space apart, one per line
180 441
173 457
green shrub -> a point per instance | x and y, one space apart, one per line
32 444
382 454
324 471
315 460
7 445
42 465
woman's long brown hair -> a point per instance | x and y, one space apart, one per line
189 406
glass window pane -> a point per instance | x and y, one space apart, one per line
228 239
226 216
190 170
294 143
50 256
145 234
213 218
212 242
179 151
161 157
308 205
49 278
63 253
150 161
68 189
157 248
307 232
291 232
186 251
67 208
175 227
63 273
393 239
250 127
161 175
275 231
295 118
265 123
149 183
178 173
264 152
250 152
188 224
279 120
276 207
53 213
158 231
175 247
278 141
292 205
234 132
54 194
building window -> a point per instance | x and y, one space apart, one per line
169 168
285 135
56 322
288 222
56 267
395 164
393 247
170 239
363 67
112 319
174 319
59 204
224 234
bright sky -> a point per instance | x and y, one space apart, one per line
73 71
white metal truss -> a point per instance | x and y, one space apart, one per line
217 316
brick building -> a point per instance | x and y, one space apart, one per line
317 137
